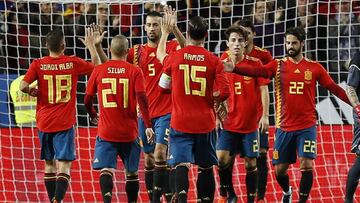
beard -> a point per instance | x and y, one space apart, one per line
294 53
153 37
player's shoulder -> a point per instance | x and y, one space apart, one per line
310 61
261 50
250 58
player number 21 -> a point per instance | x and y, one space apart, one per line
113 90
296 88
192 75
62 84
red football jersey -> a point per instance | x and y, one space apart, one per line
295 88
116 83
57 83
194 72
159 104
265 57
244 92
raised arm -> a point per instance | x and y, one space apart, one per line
165 31
99 36
175 29
89 42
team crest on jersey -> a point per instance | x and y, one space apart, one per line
247 79
308 75
275 154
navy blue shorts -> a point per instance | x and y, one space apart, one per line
264 139
106 153
161 126
288 143
58 145
192 148
244 144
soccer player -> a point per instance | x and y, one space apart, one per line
120 86
239 133
155 154
263 109
295 82
57 77
352 91
197 80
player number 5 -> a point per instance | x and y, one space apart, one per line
192 75
62 84
113 90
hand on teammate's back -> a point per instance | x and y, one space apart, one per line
33 92
95 120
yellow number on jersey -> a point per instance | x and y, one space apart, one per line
309 146
60 87
238 88
151 70
112 90
296 88
194 78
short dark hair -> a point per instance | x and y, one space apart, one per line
54 40
298 32
153 14
236 29
246 22
198 28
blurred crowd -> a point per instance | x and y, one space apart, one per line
332 26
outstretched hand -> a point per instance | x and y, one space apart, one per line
98 34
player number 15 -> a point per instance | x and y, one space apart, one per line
192 75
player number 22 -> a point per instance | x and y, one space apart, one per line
62 84
113 90
309 146
192 75
296 88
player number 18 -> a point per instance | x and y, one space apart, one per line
62 84
113 90
192 75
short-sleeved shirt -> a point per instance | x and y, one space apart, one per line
244 93
145 57
117 83
295 88
194 72
57 82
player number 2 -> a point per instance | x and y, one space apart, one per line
113 90
238 88
62 84
192 75
309 146
296 88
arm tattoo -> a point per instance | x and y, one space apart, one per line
351 93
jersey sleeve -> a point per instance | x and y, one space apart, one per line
171 46
323 77
167 65
353 78
130 56
221 81
91 87
267 57
84 67
31 74
139 80
262 81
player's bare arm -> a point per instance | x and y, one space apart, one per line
264 120
351 94
89 42
165 31
99 36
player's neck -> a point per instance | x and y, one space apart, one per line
238 58
55 55
296 59
249 47
119 58
196 43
